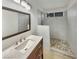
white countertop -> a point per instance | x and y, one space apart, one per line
12 53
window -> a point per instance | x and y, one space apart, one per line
58 14
50 15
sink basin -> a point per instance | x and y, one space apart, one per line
25 45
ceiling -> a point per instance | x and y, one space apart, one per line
50 5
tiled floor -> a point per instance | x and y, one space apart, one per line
55 55
61 45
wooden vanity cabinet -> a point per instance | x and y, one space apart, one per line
37 53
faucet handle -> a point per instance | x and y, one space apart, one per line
24 38
20 40
16 43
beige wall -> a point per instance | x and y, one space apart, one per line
72 27
58 26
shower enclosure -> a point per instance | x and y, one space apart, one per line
58 34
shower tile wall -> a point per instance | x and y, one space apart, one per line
58 26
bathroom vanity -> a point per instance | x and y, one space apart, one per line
23 51
37 53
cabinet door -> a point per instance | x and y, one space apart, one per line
37 53
32 55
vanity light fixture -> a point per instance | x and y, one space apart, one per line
25 4
17 1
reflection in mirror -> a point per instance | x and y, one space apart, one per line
23 22
14 22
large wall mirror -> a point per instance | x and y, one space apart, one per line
14 22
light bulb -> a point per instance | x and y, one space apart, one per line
27 7
23 3
17 1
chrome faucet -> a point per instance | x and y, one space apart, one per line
16 43
20 40
24 38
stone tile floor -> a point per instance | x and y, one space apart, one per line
48 54
61 45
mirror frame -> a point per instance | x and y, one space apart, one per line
13 10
